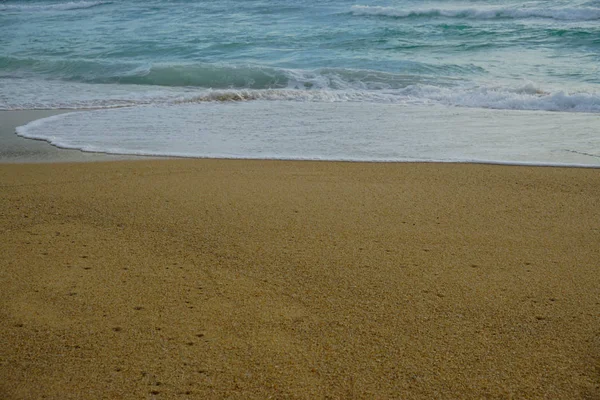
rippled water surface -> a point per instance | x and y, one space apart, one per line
479 55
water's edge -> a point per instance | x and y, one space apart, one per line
17 146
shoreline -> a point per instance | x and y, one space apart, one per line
212 278
18 149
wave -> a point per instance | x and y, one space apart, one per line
327 132
199 75
94 85
222 76
84 96
526 97
72 5
316 95
564 13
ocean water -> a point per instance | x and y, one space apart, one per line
397 80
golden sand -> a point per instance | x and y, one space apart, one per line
265 279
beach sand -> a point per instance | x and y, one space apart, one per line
310 280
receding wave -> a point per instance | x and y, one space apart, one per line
564 13
72 5
321 131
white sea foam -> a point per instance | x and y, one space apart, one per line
71 5
526 97
563 13
329 131
28 94
24 94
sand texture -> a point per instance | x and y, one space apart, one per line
211 279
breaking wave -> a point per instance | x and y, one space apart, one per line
223 76
564 14
65 95
72 5
526 97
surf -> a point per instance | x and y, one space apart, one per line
484 13
72 5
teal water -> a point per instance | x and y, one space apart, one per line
503 55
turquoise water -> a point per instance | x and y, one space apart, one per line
174 55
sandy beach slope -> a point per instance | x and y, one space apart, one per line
265 279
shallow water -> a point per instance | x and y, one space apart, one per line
373 68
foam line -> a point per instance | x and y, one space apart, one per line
564 13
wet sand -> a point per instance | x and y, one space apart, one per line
16 149
257 279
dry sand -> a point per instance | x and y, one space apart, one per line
258 279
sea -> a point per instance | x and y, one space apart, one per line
493 81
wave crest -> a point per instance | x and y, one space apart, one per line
301 86
525 97
72 5
223 76
565 13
